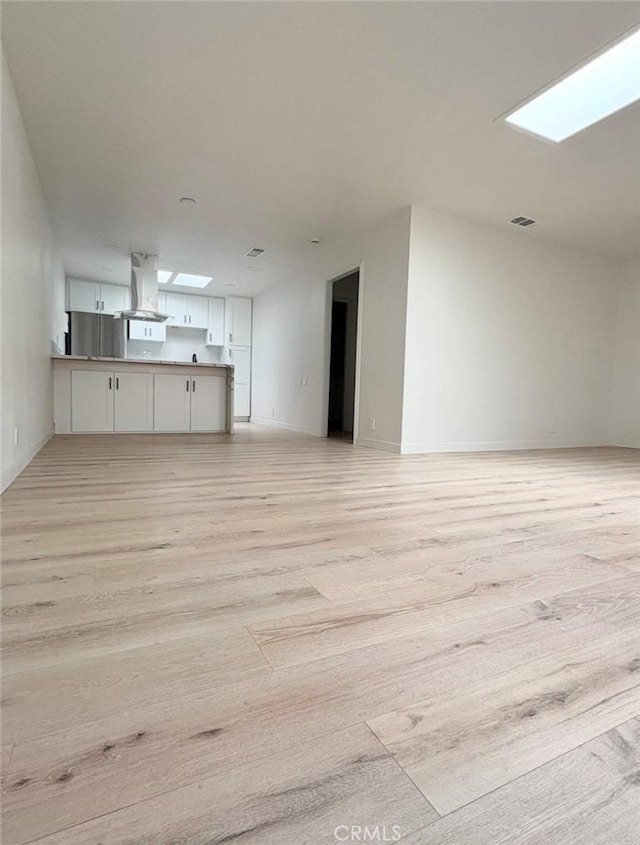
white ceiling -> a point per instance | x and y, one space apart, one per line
291 120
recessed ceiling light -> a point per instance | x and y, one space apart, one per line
253 269
164 276
189 281
315 241
188 200
254 252
229 285
602 86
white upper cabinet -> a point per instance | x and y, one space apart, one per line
198 312
215 328
95 298
186 312
113 298
238 321
83 296
144 330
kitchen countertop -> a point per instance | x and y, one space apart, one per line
156 362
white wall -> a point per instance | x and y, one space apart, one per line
509 339
31 297
291 337
624 427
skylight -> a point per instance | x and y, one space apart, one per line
164 276
189 281
596 90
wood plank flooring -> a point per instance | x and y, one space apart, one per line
273 639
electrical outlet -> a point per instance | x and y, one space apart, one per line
372 424
16 436
305 381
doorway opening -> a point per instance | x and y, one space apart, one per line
342 367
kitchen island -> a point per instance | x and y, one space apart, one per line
95 395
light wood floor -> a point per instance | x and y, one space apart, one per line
271 640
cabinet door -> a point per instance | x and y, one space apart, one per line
133 401
157 332
240 321
171 403
113 298
91 401
138 329
215 329
83 296
208 400
177 309
198 316
240 357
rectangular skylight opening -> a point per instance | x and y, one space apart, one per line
597 89
164 276
189 281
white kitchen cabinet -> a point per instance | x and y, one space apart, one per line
215 327
238 321
133 401
145 330
186 312
113 298
171 403
208 402
240 357
91 401
198 312
95 298
83 296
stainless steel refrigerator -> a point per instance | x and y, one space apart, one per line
99 335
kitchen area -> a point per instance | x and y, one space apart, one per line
144 359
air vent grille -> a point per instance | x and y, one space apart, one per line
256 252
522 221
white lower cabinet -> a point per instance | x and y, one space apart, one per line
208 402
91 401
133 402
240 357
111 401
171 403
196 403
102 401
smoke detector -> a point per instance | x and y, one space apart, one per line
522 221
254 252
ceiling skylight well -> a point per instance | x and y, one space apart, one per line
164 276
189 281
596 90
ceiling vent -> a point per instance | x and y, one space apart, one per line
256 252
522 221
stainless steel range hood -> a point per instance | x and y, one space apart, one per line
144 290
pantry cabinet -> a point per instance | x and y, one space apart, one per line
238 321
240 357
215 327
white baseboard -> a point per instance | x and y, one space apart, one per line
497 446
10 473
385 445
621 444
299 429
